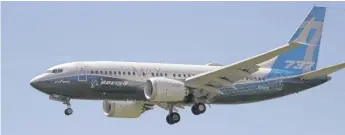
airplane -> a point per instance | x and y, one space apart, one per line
128 89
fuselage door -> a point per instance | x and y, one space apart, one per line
81 72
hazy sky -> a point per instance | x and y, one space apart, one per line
38 35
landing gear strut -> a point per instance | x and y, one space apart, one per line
172 117
64 100
198 108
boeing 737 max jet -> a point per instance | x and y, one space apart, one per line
129 89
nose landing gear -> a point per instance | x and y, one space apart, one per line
65 100
69 110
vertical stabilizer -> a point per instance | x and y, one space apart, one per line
304 58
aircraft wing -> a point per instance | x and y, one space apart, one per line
323 72
227 75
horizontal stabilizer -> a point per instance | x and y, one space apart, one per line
323 72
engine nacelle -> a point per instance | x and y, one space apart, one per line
124 109
162 89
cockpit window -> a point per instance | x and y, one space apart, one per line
55 71
60 70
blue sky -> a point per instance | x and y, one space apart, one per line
38 35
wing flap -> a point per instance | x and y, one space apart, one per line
323 72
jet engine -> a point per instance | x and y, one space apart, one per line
125 109
162 89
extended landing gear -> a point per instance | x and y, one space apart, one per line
64 100
68 111
172 117
198 108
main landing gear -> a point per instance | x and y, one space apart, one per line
198 108
174 117
64 100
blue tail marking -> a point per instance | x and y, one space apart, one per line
304 58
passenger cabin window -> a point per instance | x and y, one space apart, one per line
134 73
166 74
101 72
179 75
161 74
119 72
129 73
96 71
105 72
91 72
184 75
174 75
110 72
114 72
153 74
143 74
124 73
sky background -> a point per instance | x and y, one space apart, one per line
38 35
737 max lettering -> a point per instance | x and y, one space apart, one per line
305 65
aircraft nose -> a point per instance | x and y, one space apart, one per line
35 82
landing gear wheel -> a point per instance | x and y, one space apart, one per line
173 118
68 111
198 108
168 120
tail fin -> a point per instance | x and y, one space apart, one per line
304 58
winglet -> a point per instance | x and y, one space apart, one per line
323 72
